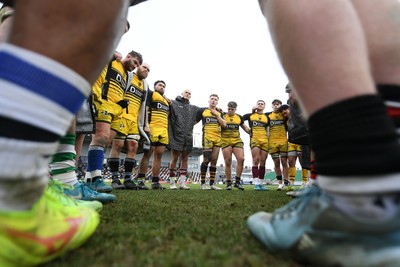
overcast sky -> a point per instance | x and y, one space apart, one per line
208 46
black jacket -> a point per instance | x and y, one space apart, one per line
181 122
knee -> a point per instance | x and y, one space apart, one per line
101 139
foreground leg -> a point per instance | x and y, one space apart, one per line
42 87
353 218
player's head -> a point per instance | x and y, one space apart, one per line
132 60
143 71
260 105
276 103
213 100
284 109
232 105
159 86
187 94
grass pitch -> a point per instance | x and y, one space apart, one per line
179 228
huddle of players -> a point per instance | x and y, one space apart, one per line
122 120
268 135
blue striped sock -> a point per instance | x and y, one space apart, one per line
95 160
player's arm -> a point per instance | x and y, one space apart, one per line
243 125
147 113
199 115
221 120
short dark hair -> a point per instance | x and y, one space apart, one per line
283 107
232 104
160 81
137 55
277 100
214 95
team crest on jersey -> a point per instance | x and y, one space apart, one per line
104 112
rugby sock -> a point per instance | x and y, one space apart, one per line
172 172
313 173
129 165
141 177
62 165
113 164
261 173
340 140
38 99
367 207
237 179
304 176
292 174
391 98
279 178
172 175
183 172
155 179
254 171
213 171
95 161
182 176
203 173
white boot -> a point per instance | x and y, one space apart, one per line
172 184
182 185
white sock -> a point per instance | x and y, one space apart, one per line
62 166
182 179
24 172
374 207
38 90
38 99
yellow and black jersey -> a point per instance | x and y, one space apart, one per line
232 125
258 124
159 110
135 94
210 122
111 84
277 126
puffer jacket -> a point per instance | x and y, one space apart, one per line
181 122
